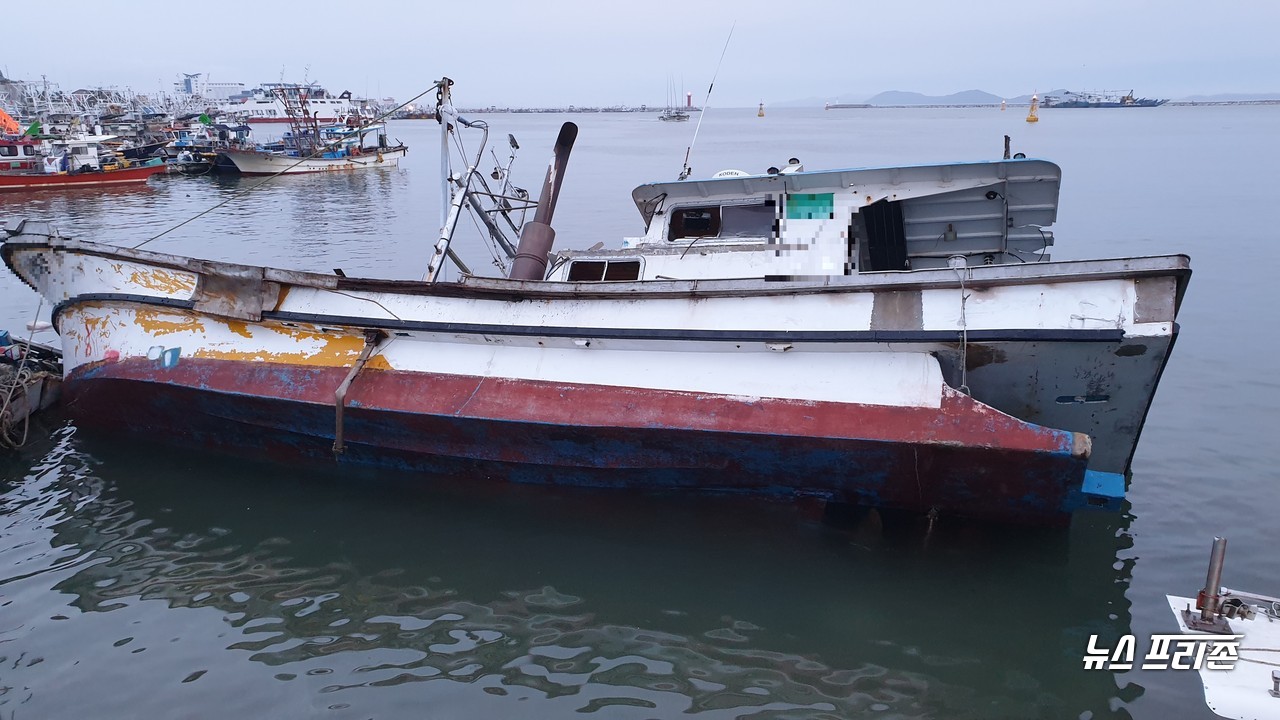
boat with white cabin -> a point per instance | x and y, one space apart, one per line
78 161
269 103
328 148
894 337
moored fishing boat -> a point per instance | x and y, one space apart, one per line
134 173
851 335
79 162
338 158
310 146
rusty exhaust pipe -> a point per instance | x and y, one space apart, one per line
537 236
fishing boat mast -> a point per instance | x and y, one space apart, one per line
503 207
302 122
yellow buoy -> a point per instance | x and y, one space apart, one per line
761 112
1035 103
1001 106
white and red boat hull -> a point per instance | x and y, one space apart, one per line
251 162
769 388
53 181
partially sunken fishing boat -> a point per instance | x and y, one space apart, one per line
894 337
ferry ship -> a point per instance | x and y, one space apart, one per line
267 103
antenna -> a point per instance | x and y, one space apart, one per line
687 171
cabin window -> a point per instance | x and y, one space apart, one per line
8 151
748 221
744 220
604 270
28 150
695 222
80 150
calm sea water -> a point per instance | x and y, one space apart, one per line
140 581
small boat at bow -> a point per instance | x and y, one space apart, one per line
1231 638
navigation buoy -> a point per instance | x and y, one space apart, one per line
1001 106
761 112
1035 103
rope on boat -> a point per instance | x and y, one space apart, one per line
236 195
1242 658
964 325
10 384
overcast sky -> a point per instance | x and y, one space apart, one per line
596 52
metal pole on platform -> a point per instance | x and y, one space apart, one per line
1213 582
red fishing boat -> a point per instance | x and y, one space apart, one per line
76 162
41 180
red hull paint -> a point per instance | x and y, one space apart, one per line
962 458
41 181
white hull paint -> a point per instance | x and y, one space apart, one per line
273 110
1030 328
260 163
1243 692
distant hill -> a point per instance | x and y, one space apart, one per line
981 97
967 97
1232 97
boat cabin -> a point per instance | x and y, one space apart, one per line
239 135
81 154
191 135
21 153
837 222
333 141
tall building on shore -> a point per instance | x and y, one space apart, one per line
198 84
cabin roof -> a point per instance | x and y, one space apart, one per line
943 177
86 140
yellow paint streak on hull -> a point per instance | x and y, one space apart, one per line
159 279
333 350
164 281
239 328
284 294
313 347
158 322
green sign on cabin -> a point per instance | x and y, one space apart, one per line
811 206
